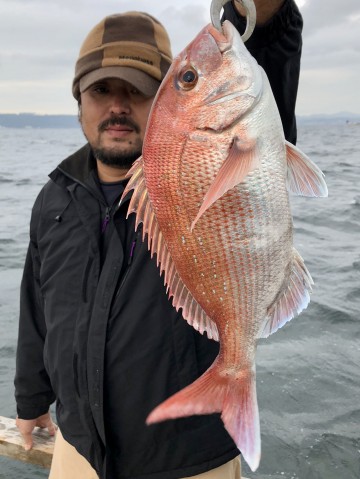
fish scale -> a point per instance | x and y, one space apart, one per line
211 190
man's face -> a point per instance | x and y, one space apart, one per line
113 118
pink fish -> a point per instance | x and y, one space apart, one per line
211 190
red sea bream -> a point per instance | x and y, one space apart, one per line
211 190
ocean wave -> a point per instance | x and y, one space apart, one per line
7 352
332 456
23 181
344 221
6 241
356 265
356 201
328 314
353 294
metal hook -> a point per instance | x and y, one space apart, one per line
217 5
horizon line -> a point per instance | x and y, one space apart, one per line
339 113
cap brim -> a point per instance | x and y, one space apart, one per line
139 79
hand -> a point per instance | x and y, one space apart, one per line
26 427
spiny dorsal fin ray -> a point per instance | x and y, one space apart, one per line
293 298
181 296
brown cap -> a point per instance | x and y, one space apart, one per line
132 46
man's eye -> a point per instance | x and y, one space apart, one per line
134 91
100 89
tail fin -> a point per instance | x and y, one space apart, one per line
234 397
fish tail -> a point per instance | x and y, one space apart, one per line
240 416
234 397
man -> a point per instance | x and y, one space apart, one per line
97 331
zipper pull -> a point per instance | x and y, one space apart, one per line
106 220
132 251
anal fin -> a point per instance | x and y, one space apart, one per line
293 298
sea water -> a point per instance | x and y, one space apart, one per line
308 373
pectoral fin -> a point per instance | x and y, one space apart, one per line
304 178
242 159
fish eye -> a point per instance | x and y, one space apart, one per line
187 78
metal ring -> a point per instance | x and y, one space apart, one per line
217 5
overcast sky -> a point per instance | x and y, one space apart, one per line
40 41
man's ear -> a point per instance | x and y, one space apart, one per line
79 111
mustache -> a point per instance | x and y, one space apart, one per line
119 120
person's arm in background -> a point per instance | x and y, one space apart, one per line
265 9
33 390
276 45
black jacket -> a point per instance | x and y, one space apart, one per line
98 334
277 48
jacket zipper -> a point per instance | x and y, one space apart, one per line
129 263
105 223
133 244
106 219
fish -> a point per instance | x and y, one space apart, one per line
212 191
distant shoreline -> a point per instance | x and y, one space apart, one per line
32 120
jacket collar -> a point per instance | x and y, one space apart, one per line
78 169
78 166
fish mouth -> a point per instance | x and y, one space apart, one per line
239 86
224 39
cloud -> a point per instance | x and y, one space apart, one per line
40 41
330 63
323 14
183 23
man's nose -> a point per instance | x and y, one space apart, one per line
120 104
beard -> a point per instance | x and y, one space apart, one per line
111 156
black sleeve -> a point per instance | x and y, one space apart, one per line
276 46
33 392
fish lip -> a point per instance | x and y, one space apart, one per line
224 39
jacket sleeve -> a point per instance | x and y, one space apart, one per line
276 46
33 392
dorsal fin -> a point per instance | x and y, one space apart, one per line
304 178
181 296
